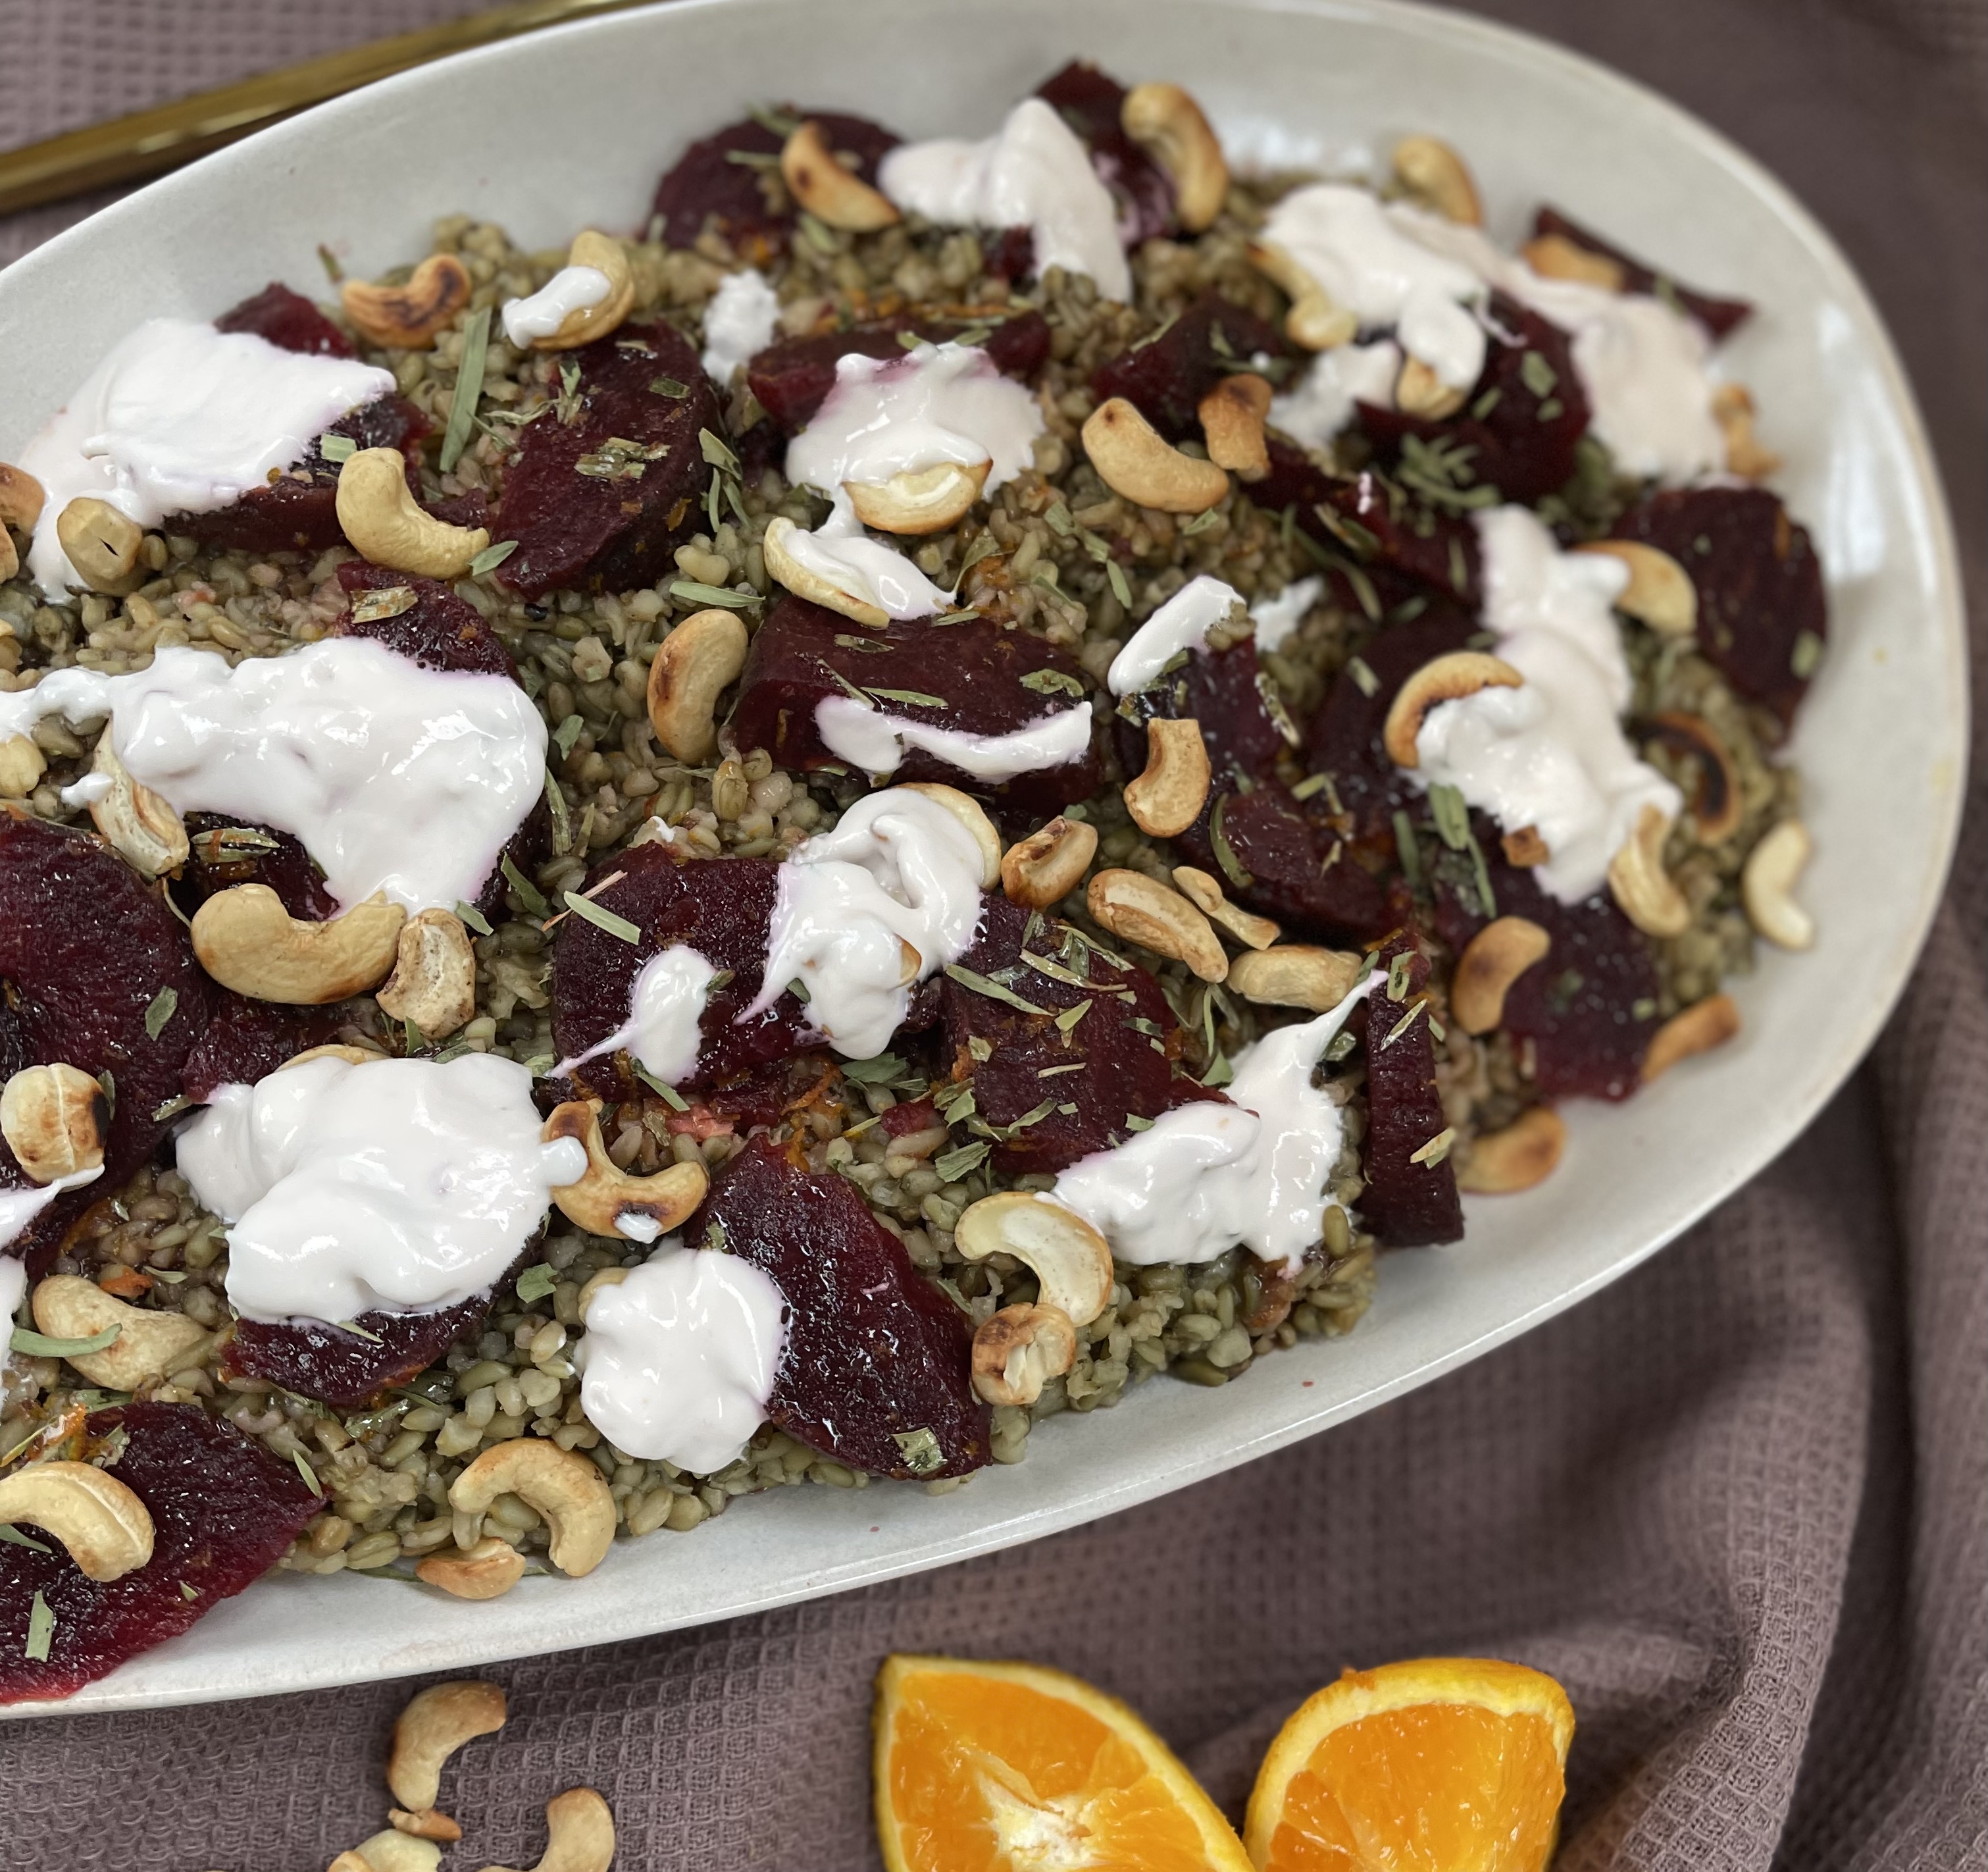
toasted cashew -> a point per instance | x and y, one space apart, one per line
804 582
828 189
382 521
1717 805
610 258
1168 797
407 317
1492 960
1045 867
135 821
430 1822
391 1851
1553 256
1204 892
107 1528
1069 1257
1296 975
1134 459
247 941
22 766
434 1725
55 1118
487 1570
1447 678
352 1056
22 498
1700 1026
1131 905
1733 409
1659 593
607 1200
1524 849
693 667
1522 1156
433 981
1314 321
149 1345
579 1829
970 813
1017 1350
102 543
1767 883
1168 125
1644 891
1438 178
567 1489
1418 391
920 500
1233 415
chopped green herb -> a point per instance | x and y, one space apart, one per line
1806 655
1547 411
1054 970
1121 590
14 1537
979 984
1027 1118
911 698
1643 1008
491 557
41 1630
878 1071
567 733
753 159
538 1065
328 260
1399 968
1054 683
1486 403
1451 816
920 1451
695 591
1538 376
1438 1147
188 1593
562 819
358 1332
957 616
662 1088
1401 1026
468 389
160 1010
308 1472
1054 1072
471 918
953 1165
1225 853
535 1282
1312 783
1201 522
387 602
1134 1122
669 387
1407 850
588 911
818 234
1364 679
32 1345
338 449
527 892
983 1048
619 459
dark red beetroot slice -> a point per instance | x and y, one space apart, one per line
614 529
225 852
1126 1044
1720 317
345 1370
1523 442
87 949
247 1040
982 672
1763 616
224 1511
288 321
1167 376
1283 864
1436 553
1090 102
1407 1204
792 378
1228 694
438 630
877 1372
723 908
710 186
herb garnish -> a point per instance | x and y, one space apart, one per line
159 1010
468 389
588 911
535 1282
32 1345
980 984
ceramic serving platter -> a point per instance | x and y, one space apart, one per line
551 133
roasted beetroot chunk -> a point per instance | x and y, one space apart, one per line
1166 377
87 950
792 377
225 852
876 1369
247 1040
1227 692
1762 617
1274 858
288 321
991 682
1436 554
1407 1204
346 1369
1522 420
710 187
1126 1044
1720 317
1091 103
437 631
723 907
224 1511
602 502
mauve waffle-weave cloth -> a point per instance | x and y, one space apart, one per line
1738 1504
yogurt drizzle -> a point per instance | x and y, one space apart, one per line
739 320
665 1006
876 742
1183 623
19 1207
571 290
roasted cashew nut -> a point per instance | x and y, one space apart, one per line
828 189
1717 804
607 1200
1767 883
1313 321
1418 391
1521 1157
1491 961
1166 798
1069 1257
1133 459
1447 678
1553 256
55 1118
1700 1026
489 1569
693 666
1169 125
610 258
1045 867
407 317
579 1829
22 766
102 543
140 826
149 1345
21 501
247 941
433 981
384 522
1659 593
1643 890
430 1823
392 1850
1733 409
1131 905
920 500
1204 891
1296 975
1233 415
1438 178
567 1489
970 813
804 582
1019 1349
106 1529
433 1726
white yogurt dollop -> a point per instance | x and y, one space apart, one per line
1033 173
875 742
665 1006
1183 623
19 1207
1206 1177
679 1359
395 777
399 1186
739 320
1550 755
1320 404
181 418
571 290
1276 617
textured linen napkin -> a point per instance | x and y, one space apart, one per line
1735 1503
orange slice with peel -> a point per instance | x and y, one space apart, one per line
1016 1768
1437 1764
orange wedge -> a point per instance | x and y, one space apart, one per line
1016 1767
1439 1764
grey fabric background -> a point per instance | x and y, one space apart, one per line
1736 1503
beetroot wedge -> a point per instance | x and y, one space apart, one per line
247 1040
349 1366
876 1371
1371 521
1166 376
437 630
288 321
1720 317
1092 104
1411 1198
1242 723
1282 862
224 1511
